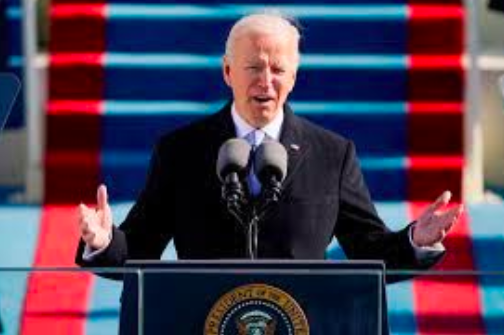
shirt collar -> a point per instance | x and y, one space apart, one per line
272 129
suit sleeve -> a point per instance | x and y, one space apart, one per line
361 232
146 230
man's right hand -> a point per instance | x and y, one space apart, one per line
96 224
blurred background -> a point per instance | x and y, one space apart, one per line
415 83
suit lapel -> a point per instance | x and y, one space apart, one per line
294 142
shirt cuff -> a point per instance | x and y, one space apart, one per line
426 251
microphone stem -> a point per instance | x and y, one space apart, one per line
271 196
252 237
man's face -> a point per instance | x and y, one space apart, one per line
261 73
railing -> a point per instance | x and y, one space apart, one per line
75 301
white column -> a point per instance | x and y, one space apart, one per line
473 185
33 104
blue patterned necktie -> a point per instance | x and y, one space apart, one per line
254 138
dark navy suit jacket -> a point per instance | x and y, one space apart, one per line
324 196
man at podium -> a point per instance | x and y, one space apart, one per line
323 192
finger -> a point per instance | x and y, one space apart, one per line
87 223
102 197
450 217
87 233
441 201
455 212
87 217
83 212
107 219
82 209
428 214
104 207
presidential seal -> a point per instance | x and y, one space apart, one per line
256 309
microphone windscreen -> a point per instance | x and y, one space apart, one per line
233 157
271 159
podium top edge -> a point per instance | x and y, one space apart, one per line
258 264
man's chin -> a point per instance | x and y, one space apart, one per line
264 115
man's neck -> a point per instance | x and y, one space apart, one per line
242 127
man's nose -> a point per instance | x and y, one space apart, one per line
265 78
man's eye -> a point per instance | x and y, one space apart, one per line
279 70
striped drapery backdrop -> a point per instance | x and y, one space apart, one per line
387 73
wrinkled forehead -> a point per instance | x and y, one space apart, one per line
261 46
267 34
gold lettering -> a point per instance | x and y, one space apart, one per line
261 293
274 296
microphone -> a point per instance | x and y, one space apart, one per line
232 163
270 164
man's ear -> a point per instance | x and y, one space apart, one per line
226 70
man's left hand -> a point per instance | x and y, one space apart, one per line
436 221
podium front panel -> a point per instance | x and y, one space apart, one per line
298 298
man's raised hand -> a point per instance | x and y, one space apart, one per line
436 221
96 224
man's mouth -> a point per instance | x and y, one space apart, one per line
263 99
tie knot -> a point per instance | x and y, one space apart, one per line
255 137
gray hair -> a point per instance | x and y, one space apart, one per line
267 22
